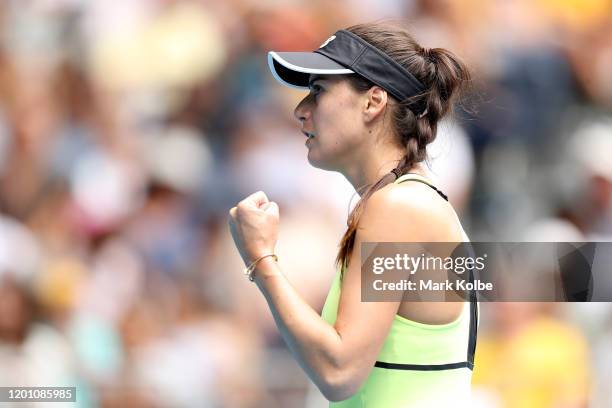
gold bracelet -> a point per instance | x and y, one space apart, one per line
248 271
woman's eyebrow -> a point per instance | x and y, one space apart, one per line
313 80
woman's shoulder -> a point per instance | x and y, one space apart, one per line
412 210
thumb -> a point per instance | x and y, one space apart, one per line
259 199
271 208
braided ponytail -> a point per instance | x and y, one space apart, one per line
442 73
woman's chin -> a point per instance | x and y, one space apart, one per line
313 161
318 162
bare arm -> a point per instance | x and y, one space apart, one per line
339 358
313 342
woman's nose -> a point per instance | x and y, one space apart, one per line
302 110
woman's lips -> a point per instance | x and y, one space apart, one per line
309 135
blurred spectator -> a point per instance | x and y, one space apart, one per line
32 352
529 357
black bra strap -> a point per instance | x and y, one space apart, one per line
444 196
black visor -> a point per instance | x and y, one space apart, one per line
347 53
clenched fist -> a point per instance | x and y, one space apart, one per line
253 223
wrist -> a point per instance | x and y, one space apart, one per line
254 265
265 269
252 256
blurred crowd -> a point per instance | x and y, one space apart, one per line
128 129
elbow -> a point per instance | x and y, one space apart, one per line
338 396
339 385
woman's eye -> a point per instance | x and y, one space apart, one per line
315 89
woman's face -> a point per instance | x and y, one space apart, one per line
332 112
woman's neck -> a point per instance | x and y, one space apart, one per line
376 163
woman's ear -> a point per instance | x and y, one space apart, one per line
375 103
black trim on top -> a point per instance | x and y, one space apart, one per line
424 367
473 335
471 351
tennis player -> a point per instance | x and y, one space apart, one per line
376 97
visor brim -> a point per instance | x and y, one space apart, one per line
293 69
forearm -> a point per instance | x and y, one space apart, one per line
315 344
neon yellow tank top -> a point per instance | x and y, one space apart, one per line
419 365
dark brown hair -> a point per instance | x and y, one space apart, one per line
443 75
